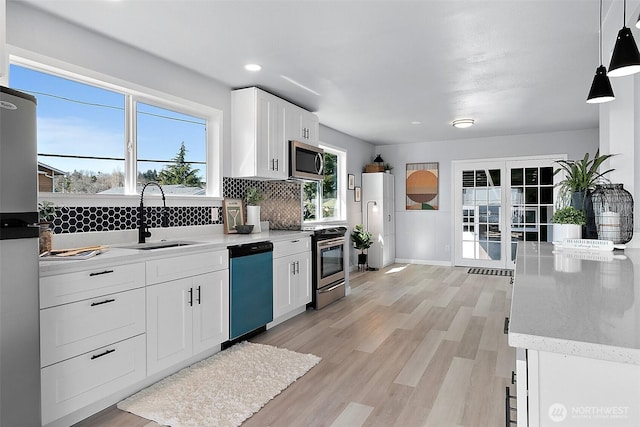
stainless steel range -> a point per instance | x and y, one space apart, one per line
328 266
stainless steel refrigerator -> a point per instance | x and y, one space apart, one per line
19 270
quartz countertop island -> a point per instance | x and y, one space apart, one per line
575 302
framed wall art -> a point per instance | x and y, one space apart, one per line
351 181
232 214
422 186
356 194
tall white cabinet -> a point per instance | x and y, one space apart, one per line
378 217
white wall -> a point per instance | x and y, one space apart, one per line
426 236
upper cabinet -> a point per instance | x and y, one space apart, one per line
258 147
261 127
301 125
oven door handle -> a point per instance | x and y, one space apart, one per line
324 291
332 242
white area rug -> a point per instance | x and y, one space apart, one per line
223 390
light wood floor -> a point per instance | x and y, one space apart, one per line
412 345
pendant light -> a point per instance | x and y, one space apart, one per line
626 58
601 90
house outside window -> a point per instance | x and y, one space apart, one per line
102 139
324 200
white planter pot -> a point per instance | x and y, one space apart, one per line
253 217
566 231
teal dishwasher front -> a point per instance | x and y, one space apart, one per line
250 287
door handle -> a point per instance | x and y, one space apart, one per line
293 268
198 298
297 267
191 297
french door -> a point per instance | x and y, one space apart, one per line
499 203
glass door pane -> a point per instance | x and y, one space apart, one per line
480 228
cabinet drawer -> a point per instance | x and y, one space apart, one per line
179 267
65 288
70 385
293 246
72 329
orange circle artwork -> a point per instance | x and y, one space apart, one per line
422 186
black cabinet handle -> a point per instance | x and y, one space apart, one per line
95 356
107 301
198 295
191 297
513 377
100 273
506 325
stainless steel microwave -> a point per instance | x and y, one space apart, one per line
306 161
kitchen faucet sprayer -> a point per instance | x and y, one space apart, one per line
143 231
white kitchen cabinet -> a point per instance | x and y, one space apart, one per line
291 276
301 125
576 391
185 317
71 329
378 216
77 382
92 340
258 143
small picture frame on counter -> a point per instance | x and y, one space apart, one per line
232 214
351 178
356 194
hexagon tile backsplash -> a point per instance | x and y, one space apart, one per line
281 207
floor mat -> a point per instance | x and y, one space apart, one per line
490 271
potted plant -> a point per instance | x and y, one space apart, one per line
46 215
567 223
387 168
580 178
362 240
254 197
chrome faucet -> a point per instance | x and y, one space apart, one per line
143 230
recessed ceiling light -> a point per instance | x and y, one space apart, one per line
252 67
463 123
416 123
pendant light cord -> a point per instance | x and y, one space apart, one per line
600 33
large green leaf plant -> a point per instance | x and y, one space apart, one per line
580 175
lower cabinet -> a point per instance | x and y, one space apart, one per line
185 317
77 382
291 283
556 389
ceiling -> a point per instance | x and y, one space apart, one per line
377 66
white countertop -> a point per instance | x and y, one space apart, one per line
576 302
204 242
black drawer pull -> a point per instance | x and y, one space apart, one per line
107 301
506 325
100 273
95 356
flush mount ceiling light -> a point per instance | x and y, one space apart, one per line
601 90
463 123
253 67
626 58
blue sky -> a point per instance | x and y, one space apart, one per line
90 122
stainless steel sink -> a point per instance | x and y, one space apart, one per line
160 245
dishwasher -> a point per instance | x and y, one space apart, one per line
250 288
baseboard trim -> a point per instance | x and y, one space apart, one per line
424 262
